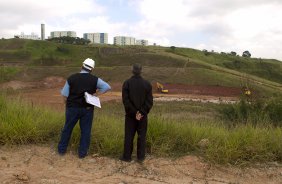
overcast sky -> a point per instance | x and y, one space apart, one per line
219 25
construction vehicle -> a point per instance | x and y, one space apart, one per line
160 88
247 92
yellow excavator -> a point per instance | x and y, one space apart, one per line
247 92
160 88
245 86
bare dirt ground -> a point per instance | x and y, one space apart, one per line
42 165
37 164
47 92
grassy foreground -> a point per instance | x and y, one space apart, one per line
174 134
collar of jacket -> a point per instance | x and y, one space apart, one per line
83 71
136 76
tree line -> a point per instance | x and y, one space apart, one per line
70 40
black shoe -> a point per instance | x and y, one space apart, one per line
81 156
124 159
141 160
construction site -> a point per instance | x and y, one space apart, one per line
188 140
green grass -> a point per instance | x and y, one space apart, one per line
7 73
189 76
39 59
262 111
264 68
168 135
22 123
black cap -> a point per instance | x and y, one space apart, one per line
136 68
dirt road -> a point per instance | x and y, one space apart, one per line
42 165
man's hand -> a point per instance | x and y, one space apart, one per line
138 116
65 99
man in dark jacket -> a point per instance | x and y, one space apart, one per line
77 108
137 100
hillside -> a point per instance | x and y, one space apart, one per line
266 68
197 133
29 60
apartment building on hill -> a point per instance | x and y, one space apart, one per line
56 34
32 36
142 42
101 38
124 40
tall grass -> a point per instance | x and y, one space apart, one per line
22 123
256 111
7 73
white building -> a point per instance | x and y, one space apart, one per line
56 34
142 42
32 36
42 31
101 38
124 40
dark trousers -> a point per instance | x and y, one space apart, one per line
85 117
131 127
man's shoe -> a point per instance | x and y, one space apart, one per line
124 159
81 156
140 160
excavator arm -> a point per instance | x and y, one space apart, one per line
160 88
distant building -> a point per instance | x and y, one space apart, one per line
101 38
56 34
42 31
142 42
124 40
32 36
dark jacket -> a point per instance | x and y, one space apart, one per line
80 83
137 96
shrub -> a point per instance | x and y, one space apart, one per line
254 112
274 110
246 54
63 49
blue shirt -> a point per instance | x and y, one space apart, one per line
102 86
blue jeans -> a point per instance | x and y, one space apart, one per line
85 117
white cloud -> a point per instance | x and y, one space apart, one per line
17 16
253 25
257 29
220 25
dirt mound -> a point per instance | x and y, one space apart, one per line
48 82
16 85
42 165
53 81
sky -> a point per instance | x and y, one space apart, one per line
219 25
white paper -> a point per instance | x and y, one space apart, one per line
93 100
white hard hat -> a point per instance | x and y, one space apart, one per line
88 64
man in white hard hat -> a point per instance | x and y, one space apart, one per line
77 108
